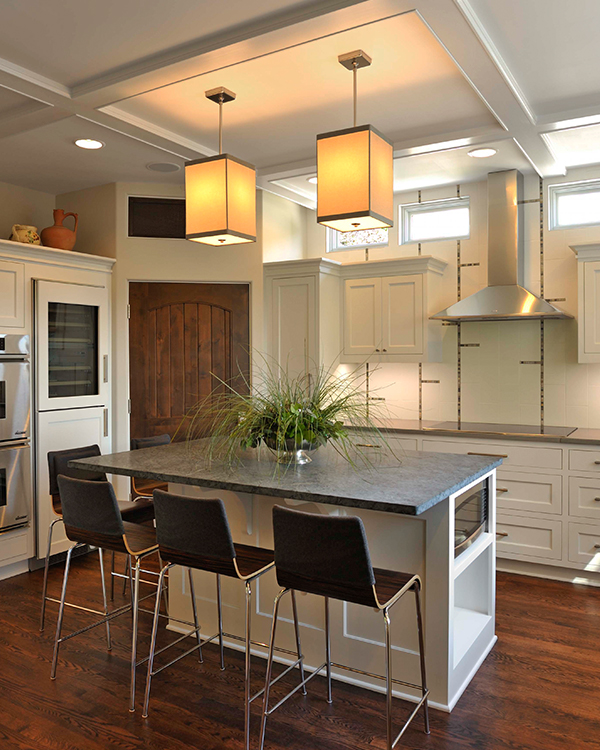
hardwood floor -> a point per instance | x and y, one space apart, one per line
539 688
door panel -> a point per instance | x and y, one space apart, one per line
362 316
184 340
294 325
402 314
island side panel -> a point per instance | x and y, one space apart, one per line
397 542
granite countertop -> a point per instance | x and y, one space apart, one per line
409 483
429 427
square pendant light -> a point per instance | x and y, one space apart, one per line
220 192
355 170
355 187
220 196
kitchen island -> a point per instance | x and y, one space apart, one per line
407 503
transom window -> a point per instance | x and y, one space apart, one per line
356 239
575 204
435 220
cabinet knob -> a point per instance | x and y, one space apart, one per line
376 350
384 350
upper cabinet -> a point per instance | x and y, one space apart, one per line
386 313
588 257
12 294
320 312
302 313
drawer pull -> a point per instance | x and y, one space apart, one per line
597 499
492 455
596 546
503 489
366 445
502 533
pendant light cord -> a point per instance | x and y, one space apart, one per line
221 124
355 86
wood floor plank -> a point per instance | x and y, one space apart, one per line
539 689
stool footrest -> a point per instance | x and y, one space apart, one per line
410 718
102 621
302 684
375 676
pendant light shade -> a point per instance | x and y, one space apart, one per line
355 187
220 193
355 170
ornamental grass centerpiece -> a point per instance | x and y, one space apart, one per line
290 415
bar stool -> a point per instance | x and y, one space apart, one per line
194 532
58 463
92 516
146 487
329 556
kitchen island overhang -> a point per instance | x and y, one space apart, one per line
408 511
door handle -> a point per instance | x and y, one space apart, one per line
105 367
490 455
106 423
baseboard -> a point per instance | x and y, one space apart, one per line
8 571
550 572
36 564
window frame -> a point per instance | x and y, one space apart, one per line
569 188
407 210
331 247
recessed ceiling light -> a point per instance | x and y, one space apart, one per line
312 180
163 166
89 143
483 153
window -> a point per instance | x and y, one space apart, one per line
358 239
435 220
576 204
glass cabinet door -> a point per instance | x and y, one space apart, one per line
72 350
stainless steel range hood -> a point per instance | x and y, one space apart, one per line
504 298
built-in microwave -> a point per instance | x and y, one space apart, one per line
470 516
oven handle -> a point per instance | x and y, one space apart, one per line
12 444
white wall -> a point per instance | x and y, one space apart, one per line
19 205
284 225
495 386
96 209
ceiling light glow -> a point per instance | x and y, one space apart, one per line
89 143
482 153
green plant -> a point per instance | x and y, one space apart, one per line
287 413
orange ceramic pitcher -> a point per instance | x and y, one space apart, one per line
59 236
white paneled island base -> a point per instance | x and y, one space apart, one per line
458 596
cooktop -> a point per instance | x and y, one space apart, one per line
502 429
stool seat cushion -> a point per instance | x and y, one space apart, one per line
388 583
137 511
140 538
251 560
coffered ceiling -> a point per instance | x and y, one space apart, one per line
446 75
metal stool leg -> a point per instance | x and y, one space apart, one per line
161 579
135 609
328 649
108 641
265 714
46 566
220 615
61 612
422 656
195 611
127 573
112 577
247 667
298 645
388 680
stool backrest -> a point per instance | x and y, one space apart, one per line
194 531
58 463
90 511
149 442
325 555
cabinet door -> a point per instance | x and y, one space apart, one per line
56 431
591 307
402 314
72 345
294 324
362 316
12 294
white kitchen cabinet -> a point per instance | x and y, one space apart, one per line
588 298
302 313
386 312
12 294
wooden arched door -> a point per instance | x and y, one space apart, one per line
182 339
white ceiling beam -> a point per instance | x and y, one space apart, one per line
38 118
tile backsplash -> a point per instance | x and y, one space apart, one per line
496 387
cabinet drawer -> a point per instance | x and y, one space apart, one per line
530 537
515 455
398 445
13 544
584 497
584 460
584 545
539 493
